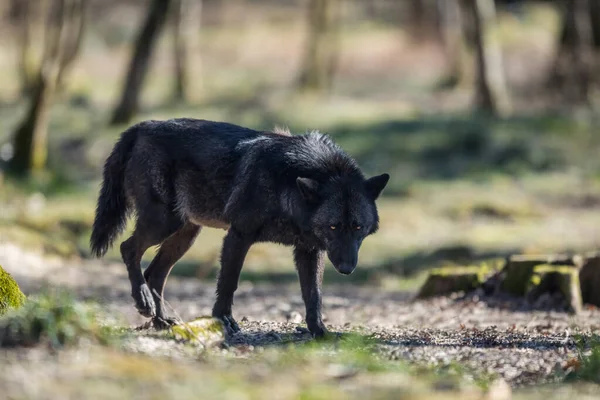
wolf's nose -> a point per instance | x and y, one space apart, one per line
345 269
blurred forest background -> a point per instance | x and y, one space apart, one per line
484 112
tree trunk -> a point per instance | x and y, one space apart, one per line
582 49
418 18
558 72
77 18
574 60
491 93
23 13
320 58
31 137
452 31
595 20
138 67
182 32
424 19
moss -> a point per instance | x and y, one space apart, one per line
10 294
203 330
561 269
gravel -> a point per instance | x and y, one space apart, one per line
491 336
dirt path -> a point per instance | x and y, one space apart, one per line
500 337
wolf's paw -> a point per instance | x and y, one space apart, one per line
144 301
160 323
230 325
318 330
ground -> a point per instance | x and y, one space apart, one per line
487 338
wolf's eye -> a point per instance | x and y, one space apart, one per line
333 227
357 227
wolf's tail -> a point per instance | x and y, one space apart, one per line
111 211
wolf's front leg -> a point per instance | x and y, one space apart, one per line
309 264
233 253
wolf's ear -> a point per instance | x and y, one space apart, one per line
309 188
376 184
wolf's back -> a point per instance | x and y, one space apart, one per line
111 211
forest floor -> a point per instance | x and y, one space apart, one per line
440 347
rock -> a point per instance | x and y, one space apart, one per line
10 293
518 270
450 279
552 279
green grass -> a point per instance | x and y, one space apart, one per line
587 365
54 318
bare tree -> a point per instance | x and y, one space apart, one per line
595 15
25 17
582 49
183 13
425 19
453 30
491 92
60 48
77 20
574 60
321 51
140 61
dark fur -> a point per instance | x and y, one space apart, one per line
182 174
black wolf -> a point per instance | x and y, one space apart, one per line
183 174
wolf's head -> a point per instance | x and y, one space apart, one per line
343 213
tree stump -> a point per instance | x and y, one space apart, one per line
519 270
450 279
589 277
563 279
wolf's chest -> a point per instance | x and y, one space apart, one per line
279 230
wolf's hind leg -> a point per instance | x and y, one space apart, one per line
132 251
153 226
171 250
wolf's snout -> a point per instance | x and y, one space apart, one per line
344 258
345 268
